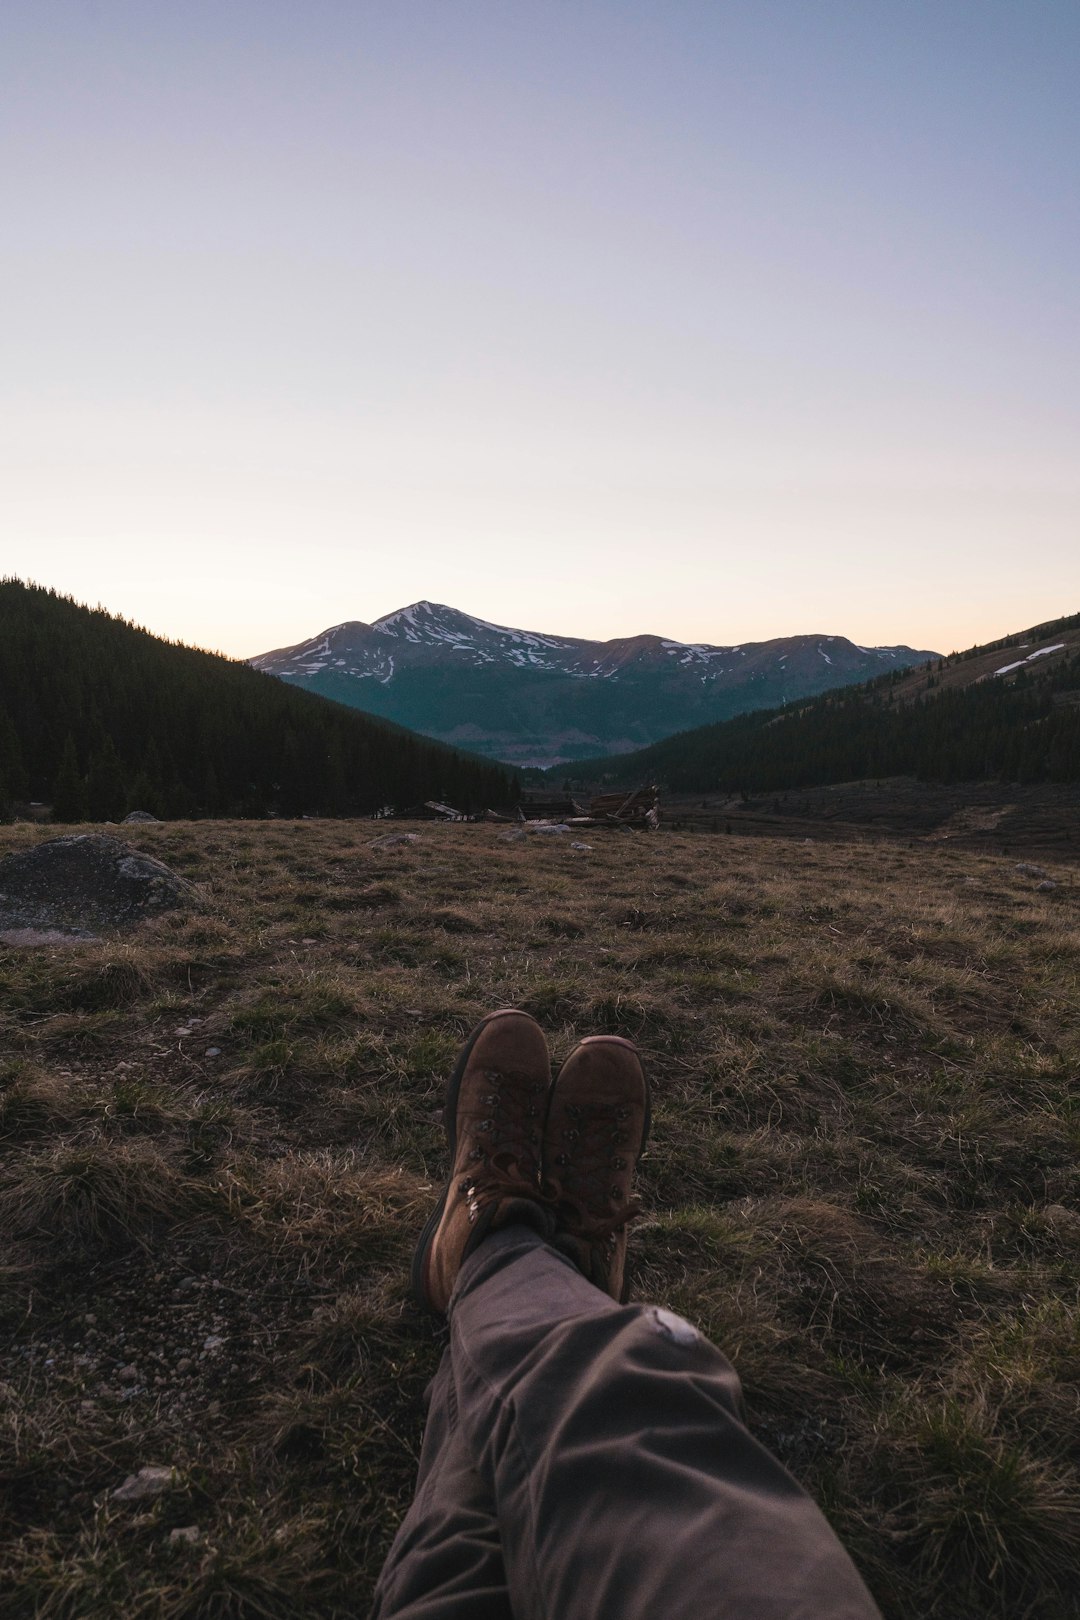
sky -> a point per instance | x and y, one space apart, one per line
715 320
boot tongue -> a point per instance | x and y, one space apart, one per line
594 1228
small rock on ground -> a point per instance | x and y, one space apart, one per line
185 1535
148 1483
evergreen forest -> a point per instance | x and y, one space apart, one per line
98 718
1022 728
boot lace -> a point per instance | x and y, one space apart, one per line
586 1176
507 1130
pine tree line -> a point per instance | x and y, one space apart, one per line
98 717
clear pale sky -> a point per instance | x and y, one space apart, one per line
719 320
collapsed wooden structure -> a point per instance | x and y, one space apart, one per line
640 809
430 810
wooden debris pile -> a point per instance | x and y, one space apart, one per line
641 809
430 810
638 809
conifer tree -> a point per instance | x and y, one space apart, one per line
12 764
105 795
69 789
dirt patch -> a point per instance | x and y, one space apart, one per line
20 937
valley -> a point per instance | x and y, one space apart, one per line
1026 821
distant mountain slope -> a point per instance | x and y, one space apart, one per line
530 698
102 717
1009 710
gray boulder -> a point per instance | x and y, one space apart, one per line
142 816
85 881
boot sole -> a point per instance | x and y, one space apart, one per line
453 1085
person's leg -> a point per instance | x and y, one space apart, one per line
611 1441
446 1560
608 1440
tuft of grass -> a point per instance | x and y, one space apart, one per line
94 1194
33 1103
988 1521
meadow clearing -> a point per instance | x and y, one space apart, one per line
220 1134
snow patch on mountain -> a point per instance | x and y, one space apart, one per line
1040 652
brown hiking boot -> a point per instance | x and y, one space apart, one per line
597 1126
494 1118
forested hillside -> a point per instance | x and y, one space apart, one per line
98 718
1021 726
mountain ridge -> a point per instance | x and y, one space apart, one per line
978 715
533 698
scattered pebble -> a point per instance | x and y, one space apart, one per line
581 846
185 1535
149 1482
212 1052
212 1342
393 840
1047 883
1029 869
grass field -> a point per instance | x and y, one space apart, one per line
219 1137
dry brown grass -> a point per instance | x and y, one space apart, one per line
863 1183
